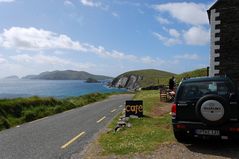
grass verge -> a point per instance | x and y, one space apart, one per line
20 110
146 133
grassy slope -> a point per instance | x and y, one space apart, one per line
21 110
151 77
146 133
157 77
194 73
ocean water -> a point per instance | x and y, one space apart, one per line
53 88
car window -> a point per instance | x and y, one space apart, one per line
198 89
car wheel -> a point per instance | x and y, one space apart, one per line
212 109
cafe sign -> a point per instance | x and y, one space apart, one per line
134 107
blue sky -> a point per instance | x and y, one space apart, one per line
106 37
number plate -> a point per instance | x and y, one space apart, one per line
207 132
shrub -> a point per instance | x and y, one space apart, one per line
2 113
30 116
4 124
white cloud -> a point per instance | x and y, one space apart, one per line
186 12
90 3
115 14
37 39
49 60
22 58
68 3
174 33
140 11
26 64
131 3
2 60
162 20
167 41
188 57
153 61
197 36
6 1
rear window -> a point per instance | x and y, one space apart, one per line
199 89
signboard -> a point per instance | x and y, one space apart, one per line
134 107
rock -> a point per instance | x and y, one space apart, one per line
129 125
122 123
131 82
92 80
117 128
134 116
126 119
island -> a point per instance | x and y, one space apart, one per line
92 80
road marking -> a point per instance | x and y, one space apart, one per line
121 106
101 119
72 140
113 110
38 120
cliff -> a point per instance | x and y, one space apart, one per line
135 80
130 82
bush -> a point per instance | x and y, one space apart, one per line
20 110
30 116
4 124
2 113
59 109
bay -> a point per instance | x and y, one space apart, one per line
53 88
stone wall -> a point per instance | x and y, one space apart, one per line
225 39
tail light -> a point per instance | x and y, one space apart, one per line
173 110
234 129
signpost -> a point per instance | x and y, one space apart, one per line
134 107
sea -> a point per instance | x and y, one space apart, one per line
54 88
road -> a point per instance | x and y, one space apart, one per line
62 135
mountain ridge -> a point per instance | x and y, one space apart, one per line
66 75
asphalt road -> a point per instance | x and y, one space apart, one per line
62 135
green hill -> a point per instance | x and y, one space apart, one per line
150 78
66 75
195 73
141 78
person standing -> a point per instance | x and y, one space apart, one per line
171 83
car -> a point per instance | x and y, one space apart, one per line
206 107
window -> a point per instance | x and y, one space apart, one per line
196 90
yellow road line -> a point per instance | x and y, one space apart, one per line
113 110
101 119
72 140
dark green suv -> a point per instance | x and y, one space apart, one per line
206 108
